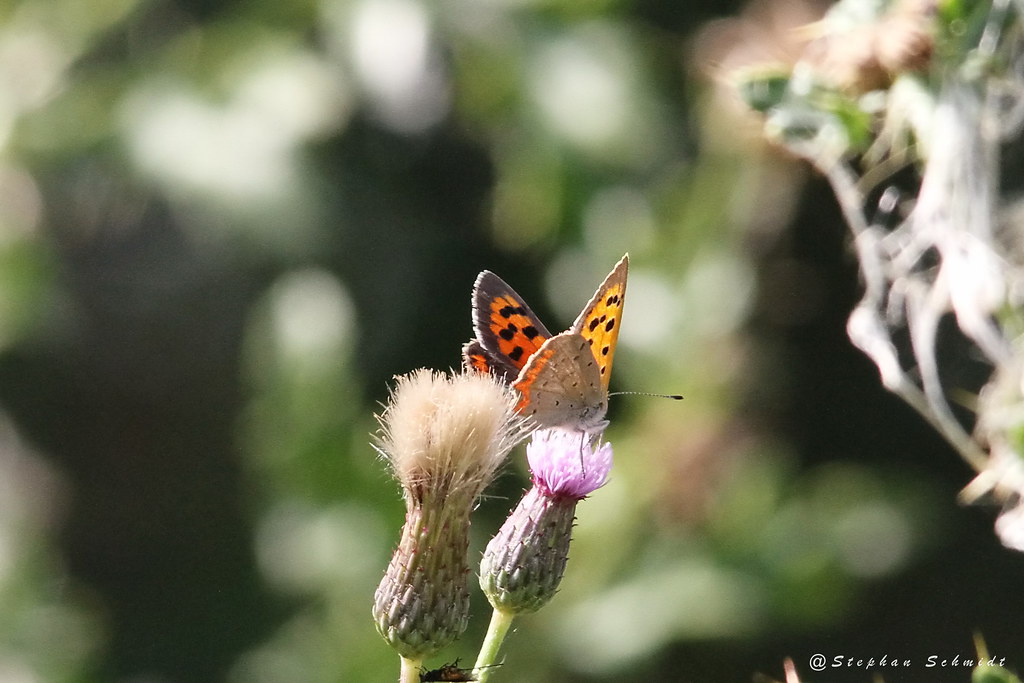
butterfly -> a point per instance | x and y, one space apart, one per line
562 379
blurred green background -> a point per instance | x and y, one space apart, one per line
225 226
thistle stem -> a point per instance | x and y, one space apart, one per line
410 671
496 632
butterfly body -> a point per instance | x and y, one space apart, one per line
562 379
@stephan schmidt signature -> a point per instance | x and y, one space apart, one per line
820 662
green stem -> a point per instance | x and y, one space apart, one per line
496 632
410 671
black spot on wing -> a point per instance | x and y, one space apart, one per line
508 311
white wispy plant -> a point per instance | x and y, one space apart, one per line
911 140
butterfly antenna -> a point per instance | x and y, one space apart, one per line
674 397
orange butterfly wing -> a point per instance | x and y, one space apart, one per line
600 321
561 386
507 330
475 357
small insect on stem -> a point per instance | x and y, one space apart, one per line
450 672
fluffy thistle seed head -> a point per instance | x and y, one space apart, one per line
445 437
448 434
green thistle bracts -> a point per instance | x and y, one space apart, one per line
422 604
524 562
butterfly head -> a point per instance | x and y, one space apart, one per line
592 418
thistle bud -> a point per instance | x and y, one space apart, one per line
444 437
524 562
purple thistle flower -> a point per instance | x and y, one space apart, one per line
565 462
523 564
